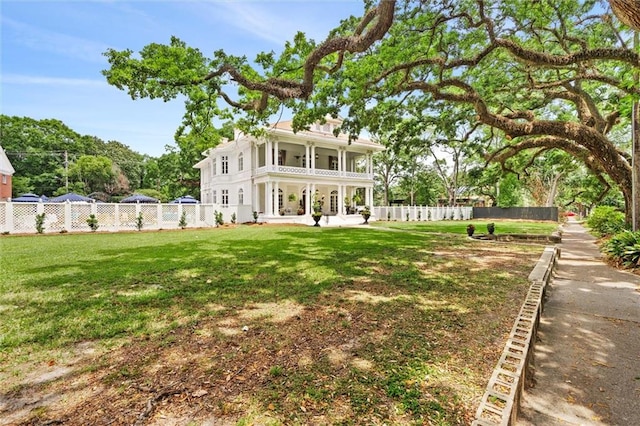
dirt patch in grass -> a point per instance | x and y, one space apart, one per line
396 347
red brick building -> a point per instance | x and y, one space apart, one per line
6 173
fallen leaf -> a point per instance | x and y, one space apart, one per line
199 393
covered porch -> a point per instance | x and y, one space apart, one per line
285 201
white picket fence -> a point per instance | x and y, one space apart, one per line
411 213
20 218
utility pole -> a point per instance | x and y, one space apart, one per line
66 171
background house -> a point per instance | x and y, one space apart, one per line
6 174
282 174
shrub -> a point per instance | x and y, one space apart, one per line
139 222
491 228
92 221
40 223
183 220
606 220
218 218
233 218
624 249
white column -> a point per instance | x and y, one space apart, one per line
307 207
341 205
313 157
268 198
340 170
344 161
276 193
254 198
276 153
255 156
307 155
268 154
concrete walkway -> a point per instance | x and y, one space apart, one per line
587 355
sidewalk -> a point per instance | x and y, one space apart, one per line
587 355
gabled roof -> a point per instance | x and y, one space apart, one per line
5 165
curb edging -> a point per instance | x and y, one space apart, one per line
500 403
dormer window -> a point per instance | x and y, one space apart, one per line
324 128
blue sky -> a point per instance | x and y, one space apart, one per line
51 54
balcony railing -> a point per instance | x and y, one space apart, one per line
310 172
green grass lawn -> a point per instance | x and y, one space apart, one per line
342 325
459 227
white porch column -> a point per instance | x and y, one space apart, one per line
307 206
313 157
340 170
313 194
369 197
344 161
276 153
268 154
268 198
254 198
255 156
307 156
276 197
341 205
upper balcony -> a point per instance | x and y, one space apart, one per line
300 159
303 171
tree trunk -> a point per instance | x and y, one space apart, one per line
553 190
635 195
627 11
635 161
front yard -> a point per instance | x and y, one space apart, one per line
390 324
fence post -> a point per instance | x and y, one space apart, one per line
9 217
67 216
116 221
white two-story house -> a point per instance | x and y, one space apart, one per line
281 174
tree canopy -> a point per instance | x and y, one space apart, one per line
540 75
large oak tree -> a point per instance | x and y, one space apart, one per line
543 74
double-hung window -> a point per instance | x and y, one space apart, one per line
225 164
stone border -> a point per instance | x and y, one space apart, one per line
501 401
554 238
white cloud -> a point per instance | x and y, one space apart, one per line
18 79
38 39
274 21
